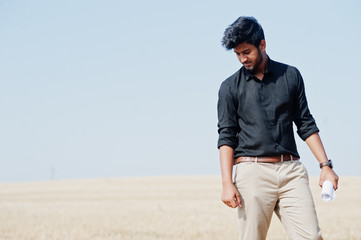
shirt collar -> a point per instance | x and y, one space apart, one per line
270 70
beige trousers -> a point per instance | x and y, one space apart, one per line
281 187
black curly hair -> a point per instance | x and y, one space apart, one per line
244 29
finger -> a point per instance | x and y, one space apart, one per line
227 203
320 183
333 179
238 197
336 182
233 203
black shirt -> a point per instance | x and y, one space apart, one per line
255 117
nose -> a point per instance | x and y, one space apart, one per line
242 58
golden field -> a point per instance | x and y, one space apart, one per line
151 208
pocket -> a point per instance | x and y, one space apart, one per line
241 173
303 171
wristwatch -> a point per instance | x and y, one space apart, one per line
328 163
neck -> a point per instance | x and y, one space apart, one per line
262 68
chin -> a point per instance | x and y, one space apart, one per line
251 69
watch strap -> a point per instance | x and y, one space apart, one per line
328 163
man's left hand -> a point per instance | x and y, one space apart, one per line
328 174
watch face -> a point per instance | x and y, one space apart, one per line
330 162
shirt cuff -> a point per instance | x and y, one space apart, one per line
304 134
227 142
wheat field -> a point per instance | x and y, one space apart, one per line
151 208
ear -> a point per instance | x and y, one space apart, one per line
262 45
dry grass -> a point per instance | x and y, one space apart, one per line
149 208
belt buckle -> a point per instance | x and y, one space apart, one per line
250 159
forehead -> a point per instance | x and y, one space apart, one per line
243 47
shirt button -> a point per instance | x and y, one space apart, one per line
276 147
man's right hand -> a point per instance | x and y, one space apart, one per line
231 196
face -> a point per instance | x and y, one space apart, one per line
250 56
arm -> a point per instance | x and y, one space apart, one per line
230 194
227 142
315 144
308 131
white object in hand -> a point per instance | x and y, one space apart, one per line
328 193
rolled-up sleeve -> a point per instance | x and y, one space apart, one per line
306 124
227 117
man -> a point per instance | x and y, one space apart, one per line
256 109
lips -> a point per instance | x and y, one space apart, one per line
247 65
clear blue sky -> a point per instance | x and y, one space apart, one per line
98 89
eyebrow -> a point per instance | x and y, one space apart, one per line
247 49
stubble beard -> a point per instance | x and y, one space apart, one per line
257 63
